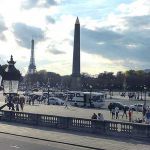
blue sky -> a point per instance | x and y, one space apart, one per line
115 34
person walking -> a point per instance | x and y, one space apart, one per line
66 101
113 113
22 102
117 112
17 107
130 115
124 112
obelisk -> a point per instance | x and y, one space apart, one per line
75 80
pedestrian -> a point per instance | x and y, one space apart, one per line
113 113
66 100
94 116
130 115
144 111
147 117
117 112
22 102
100 117
17 107
110 108
124 112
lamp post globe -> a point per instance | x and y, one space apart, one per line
11 77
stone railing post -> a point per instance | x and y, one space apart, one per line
98 126
7 115
63 122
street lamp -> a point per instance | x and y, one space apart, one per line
48 90
144 106
141 92
145 96
11 77
90 94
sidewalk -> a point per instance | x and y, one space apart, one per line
89 140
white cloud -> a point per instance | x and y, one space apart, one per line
59 34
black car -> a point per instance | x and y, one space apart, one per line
117 104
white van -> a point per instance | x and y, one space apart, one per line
86 99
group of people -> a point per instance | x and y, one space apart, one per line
15 103
133 95
98 116
115 113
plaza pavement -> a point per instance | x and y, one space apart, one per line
75 138
75 111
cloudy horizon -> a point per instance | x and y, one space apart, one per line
115 35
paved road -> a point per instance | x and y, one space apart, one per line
11 142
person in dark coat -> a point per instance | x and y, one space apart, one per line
94 116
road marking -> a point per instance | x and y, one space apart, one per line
15 146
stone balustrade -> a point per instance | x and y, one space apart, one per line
110 128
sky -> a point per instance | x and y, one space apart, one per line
115 34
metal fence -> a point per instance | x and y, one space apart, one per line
116 128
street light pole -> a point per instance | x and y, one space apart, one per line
48 88
11 77
141 93
90 94
144 106
145 96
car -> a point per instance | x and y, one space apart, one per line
35 90
117 104
137 107
55 101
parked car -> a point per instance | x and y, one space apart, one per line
117 104
137 107
55 101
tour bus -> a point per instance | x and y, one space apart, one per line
86 99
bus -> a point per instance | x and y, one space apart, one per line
86 99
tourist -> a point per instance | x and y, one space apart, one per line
66 102
130 115
110 108
113 113
117 112
17 107
22 102
147 117
144 111
124 112
94 116
100 117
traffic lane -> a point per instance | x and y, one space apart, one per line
12 142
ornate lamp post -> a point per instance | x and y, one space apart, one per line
11 77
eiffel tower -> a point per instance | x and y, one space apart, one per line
32 67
